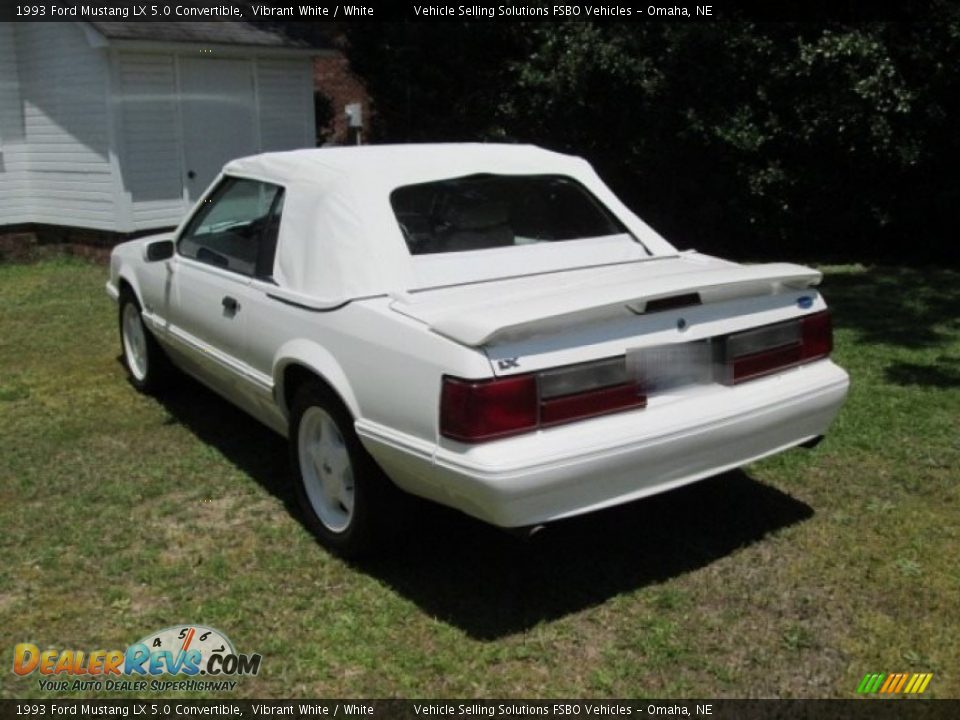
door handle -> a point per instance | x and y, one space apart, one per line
230 304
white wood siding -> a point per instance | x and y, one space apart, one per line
285 99
93 137
64 86
150 147
14 193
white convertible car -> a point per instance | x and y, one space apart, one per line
486 326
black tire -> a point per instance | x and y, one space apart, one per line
320 486
148 367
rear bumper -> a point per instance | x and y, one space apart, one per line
607 461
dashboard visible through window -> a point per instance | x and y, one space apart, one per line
236 228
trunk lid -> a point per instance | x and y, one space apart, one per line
533 322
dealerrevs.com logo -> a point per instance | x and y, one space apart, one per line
192 650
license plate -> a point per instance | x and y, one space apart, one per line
665 367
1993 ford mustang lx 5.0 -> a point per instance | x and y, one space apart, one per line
486 326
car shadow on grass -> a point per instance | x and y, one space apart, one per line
946 374
244 442
895 305
490 583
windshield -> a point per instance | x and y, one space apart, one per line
493 211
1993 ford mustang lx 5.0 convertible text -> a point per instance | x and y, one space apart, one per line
487 326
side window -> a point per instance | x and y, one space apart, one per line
236 228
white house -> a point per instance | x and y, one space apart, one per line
120 126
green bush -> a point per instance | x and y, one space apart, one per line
747 138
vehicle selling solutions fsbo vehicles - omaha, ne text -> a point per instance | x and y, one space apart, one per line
486 326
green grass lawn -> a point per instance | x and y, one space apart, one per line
123 514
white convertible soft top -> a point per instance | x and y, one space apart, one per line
339 238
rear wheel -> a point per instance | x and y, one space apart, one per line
342 492
147 365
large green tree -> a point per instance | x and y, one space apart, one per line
748 138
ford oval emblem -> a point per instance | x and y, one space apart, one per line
805 302
681 324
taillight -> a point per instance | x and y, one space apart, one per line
590 404
477 410
817 335
764 350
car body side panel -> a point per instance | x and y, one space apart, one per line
393 357
149 280
203 328
389 372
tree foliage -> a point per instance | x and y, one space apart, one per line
797 139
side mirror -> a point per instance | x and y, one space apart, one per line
158 250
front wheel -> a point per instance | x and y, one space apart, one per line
146 364
339 487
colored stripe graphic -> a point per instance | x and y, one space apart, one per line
907 683
901 683
866 685
891 679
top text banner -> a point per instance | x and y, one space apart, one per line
273 11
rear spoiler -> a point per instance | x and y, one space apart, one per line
482 323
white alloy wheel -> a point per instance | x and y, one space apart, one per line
134 342
326 469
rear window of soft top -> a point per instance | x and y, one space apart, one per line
491 211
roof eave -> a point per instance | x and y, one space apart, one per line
220 49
